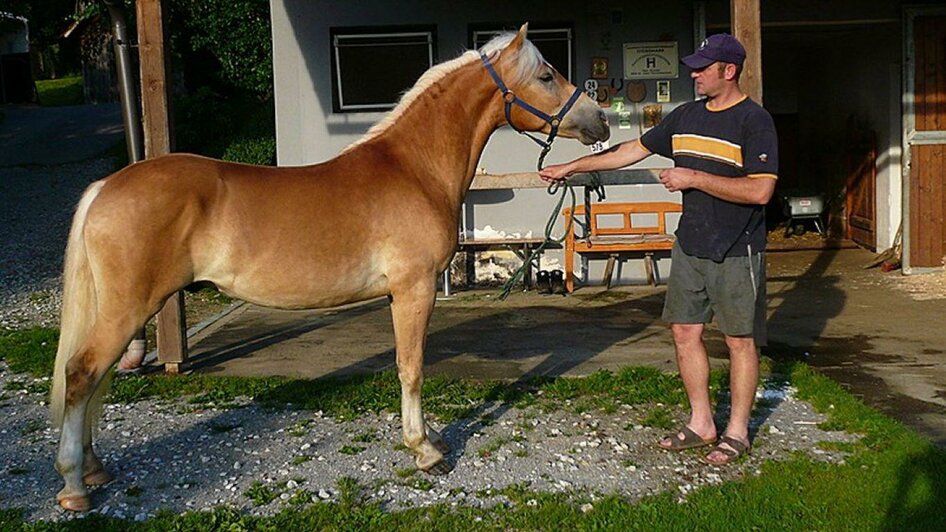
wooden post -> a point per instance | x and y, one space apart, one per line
172 344
746 26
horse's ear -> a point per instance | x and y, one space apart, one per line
516 43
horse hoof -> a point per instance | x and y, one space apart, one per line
438 469
441 446
97 478
76 503
437 441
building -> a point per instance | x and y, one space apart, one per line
852 85
16 79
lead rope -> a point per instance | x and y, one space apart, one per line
554 188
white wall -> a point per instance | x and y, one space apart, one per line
831 71
308 132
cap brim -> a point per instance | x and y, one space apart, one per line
697 61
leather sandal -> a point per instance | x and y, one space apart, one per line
690 440
734 451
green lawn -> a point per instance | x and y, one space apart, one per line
63 91
892 480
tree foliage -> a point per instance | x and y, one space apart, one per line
236 33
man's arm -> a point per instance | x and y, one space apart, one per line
618 156
749 190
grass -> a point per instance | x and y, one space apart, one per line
30 351
58 92
892 478
896 480
659 417
33 351
492 446
351 449
301 459
405 472
261 494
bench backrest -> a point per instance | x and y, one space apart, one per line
627 211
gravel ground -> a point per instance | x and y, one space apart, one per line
38 203
171 455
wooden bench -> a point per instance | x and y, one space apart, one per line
612 240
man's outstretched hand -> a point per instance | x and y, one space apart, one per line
555 172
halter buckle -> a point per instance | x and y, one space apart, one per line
555 121
509 97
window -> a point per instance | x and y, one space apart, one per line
372 67
554 41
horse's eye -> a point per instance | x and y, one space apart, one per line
547 77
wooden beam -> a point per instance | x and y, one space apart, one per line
532 180
172 344
746 26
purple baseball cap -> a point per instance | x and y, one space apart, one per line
718 47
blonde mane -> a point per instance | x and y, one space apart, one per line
529 59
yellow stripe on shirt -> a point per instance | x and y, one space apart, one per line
708 148
762 176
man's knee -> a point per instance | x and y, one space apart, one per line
687 333
741 345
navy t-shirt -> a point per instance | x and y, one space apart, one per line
737 141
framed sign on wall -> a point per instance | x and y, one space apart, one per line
650 60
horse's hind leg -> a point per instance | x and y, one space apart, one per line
411 307
93 471
85 371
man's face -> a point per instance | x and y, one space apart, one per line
710 80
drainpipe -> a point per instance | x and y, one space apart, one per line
126 81
128 94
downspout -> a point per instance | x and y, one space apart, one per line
126 81
128 95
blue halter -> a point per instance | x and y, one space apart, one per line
509 98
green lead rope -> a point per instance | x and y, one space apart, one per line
554 188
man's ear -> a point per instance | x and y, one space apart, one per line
730 71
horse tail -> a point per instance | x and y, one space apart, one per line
78 304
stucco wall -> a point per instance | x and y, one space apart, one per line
823 62
307 131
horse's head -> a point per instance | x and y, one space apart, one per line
567 111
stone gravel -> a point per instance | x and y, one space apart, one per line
174 455
37 204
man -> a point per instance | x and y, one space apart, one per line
724 149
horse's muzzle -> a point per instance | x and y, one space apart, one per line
596 129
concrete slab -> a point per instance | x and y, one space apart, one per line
855 325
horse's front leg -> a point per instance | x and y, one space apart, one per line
411 307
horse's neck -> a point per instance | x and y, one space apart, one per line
444 131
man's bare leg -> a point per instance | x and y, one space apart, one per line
693 364
743 381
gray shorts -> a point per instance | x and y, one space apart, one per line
699 288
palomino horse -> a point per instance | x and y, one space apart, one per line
379 219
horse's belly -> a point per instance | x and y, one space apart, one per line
284 283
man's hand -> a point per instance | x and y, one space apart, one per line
677 179
555 172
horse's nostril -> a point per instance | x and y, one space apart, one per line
601 116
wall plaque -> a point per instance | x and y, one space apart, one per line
650 60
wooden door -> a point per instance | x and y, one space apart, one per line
860 205
925 132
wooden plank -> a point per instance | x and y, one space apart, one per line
532 180
171 326
746 27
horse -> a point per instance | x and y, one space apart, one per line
377 220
